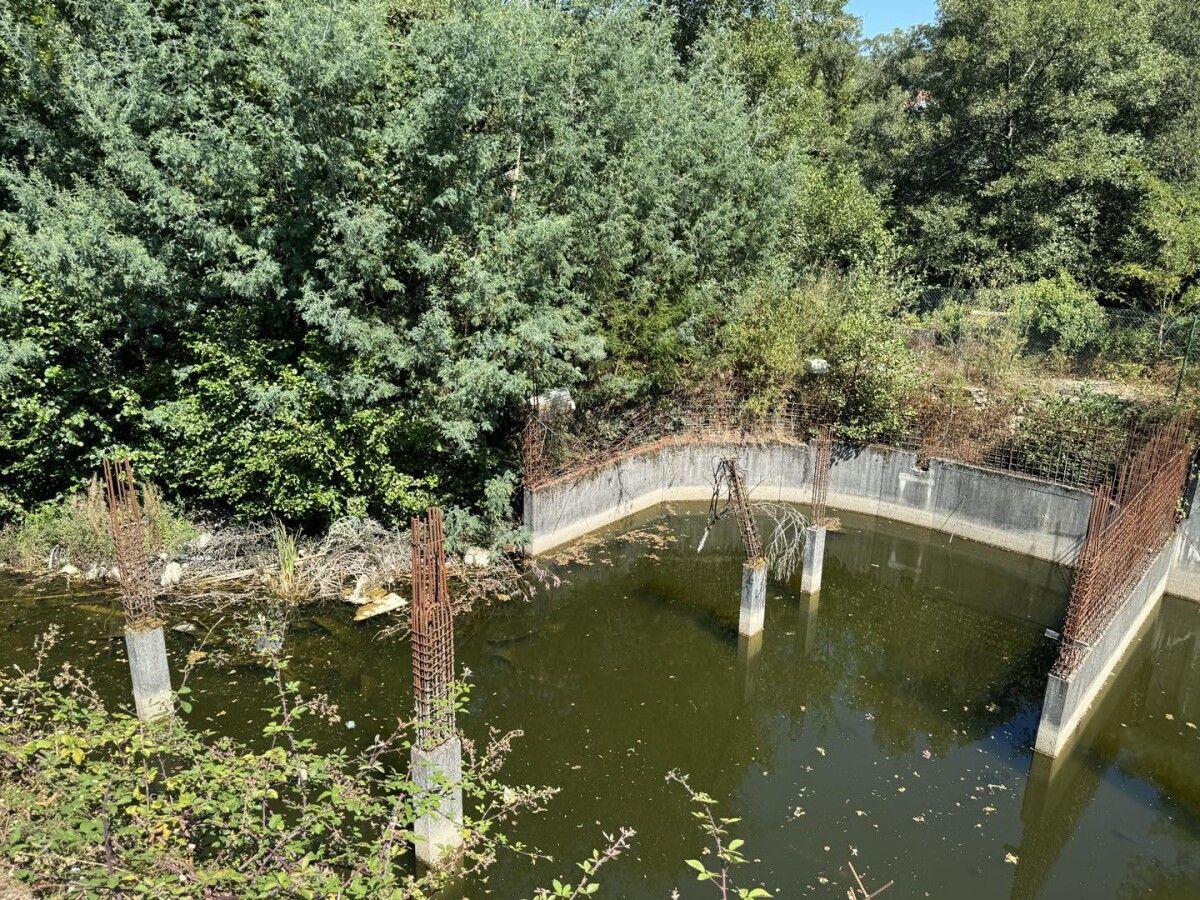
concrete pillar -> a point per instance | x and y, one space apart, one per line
438 774
147 649
754 598
814 560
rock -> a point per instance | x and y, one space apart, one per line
477 558
384 604
818 366
172 574
184 628
69 570
93 573
114 574
203 540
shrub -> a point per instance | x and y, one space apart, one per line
852 322
1058 314
76 530
91 800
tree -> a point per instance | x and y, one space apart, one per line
1026 128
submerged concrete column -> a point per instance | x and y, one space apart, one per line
754 598
814 560
148 669
144 640
438 775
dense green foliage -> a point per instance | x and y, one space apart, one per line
94 802
312 261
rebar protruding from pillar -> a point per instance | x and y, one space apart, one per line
822 464
437 753
145 643
129 542
432 633
751 540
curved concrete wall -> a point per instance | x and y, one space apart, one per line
1015 513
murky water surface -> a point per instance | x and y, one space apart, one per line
887 723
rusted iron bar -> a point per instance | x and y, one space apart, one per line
822 465
432 633
751 540
129 542
1130 522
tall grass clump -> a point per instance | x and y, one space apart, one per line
76 530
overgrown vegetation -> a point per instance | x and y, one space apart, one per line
313 265
76 532
93 801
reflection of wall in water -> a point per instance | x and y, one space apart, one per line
963 571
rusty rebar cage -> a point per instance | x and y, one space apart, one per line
1130 522
432 633
129 542
822 465
751 539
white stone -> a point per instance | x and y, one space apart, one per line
384 604
818 366
93 573
69 570
203 540
477 558
172 574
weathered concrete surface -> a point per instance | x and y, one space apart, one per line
1068 700
1008 511
438 833
149 672
1185 574
754 598
814 560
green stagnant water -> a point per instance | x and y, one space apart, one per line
888 723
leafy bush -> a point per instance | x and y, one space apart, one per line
851 322
93 800
1058 314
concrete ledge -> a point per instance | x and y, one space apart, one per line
1012 512
1069 700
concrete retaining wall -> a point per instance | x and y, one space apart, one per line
1009 511
1068 700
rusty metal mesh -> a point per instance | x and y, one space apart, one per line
1032 442
822 464
129 541
432 633
1130 521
